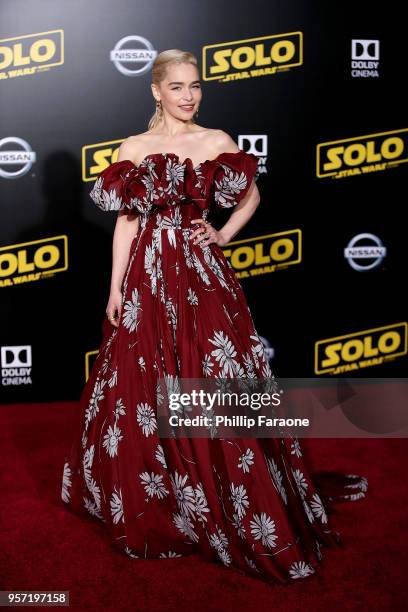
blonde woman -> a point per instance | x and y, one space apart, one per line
176 310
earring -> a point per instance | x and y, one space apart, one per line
159 108
196 113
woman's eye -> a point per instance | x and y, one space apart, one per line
196 86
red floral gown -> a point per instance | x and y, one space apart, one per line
248 503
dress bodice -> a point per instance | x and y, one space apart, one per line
161 181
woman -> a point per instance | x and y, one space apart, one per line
176 310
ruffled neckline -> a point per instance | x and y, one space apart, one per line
188 162
161 179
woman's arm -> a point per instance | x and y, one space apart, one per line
243 211
126 228
241 214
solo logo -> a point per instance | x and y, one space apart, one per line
31 53
32 261
264 254
16 365
362 154
252 57
97 157
361 349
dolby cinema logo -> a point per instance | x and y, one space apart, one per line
16 365
365 58
257 144
133 55
16 157
365 252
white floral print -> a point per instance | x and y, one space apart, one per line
184 524
295 448
263 528
66 482
230 185
184 493
153 484
111 440
300 569
160 456
318 508
224 353
131 309
97 396
119 408
246 460
201 506
208 365
146 418
192 297
239 498
116 506
277 478
300 480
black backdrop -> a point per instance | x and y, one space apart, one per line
66 106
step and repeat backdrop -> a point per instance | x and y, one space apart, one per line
315 91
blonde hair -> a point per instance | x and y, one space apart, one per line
164 59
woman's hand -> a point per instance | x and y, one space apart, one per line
206 234
114 304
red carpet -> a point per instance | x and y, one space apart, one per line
43 546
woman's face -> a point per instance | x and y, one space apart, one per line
180 92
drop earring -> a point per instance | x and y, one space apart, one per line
159 108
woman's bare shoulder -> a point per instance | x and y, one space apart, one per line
223 142
132 146
217 141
